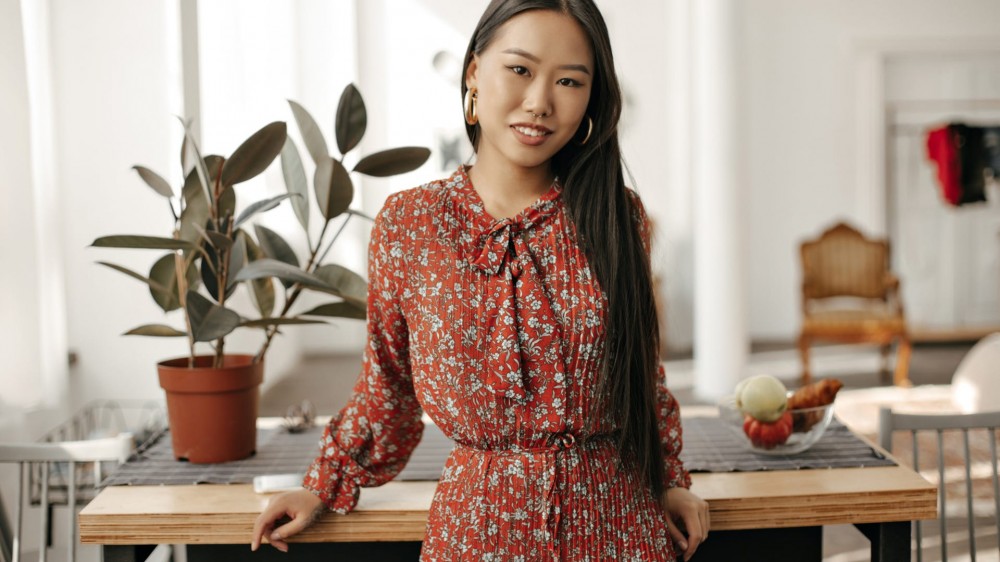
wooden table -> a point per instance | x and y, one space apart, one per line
780 509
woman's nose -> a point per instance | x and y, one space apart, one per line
538 99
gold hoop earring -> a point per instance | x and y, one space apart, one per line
590 129
471 116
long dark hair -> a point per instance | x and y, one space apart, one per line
599 204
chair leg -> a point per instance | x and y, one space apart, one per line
884 371
804 355
902 375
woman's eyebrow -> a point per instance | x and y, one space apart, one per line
533 58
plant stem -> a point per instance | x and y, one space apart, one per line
180 271
334 239
311 265
273 330
290 299
221 279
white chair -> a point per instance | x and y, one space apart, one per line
915 424
63 456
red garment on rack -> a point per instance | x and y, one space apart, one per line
942 150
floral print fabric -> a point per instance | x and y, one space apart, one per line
495 329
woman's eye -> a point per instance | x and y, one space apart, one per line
518 70
569 82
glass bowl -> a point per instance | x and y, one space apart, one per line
808 425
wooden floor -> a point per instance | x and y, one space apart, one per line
327 382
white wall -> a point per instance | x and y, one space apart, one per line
799 72
20 333
113 101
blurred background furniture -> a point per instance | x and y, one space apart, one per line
62 457
64 470
936 436
849 295
975 386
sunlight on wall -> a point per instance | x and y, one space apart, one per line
255 55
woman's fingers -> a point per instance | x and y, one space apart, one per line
677 535
301 521
706 521
264 524
695 533
688 519
302 506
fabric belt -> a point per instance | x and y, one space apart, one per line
558 442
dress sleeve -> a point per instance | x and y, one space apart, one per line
370 440
668 412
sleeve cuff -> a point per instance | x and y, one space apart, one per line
334 482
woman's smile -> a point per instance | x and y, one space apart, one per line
529 134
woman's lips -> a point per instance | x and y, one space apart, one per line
532 135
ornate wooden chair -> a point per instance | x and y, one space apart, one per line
850 296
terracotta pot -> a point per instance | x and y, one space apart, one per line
212 412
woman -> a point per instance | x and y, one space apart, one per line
512 302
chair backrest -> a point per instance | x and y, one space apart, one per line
60 456
937 424
844 263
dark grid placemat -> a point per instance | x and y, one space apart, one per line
278 452
710 446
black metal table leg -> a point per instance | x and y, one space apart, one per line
890 541
802 544
126 553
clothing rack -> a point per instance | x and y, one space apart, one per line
943 104
956 105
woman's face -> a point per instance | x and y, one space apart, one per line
538 63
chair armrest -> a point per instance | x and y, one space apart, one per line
891 283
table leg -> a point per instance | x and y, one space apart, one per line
127 553
890 541
802 544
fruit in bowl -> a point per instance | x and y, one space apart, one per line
785 426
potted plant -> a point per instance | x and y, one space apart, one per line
212 251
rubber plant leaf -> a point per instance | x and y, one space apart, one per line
345 283
310 131
156 330
351 120
164 290
393 162
134 275
209 321
334 189
273 268
338 310
142 242
295 181
262 291
255 154
259 207
154 181
268 322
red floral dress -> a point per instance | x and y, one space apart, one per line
494 328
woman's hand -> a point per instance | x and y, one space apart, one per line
688 519
302 506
